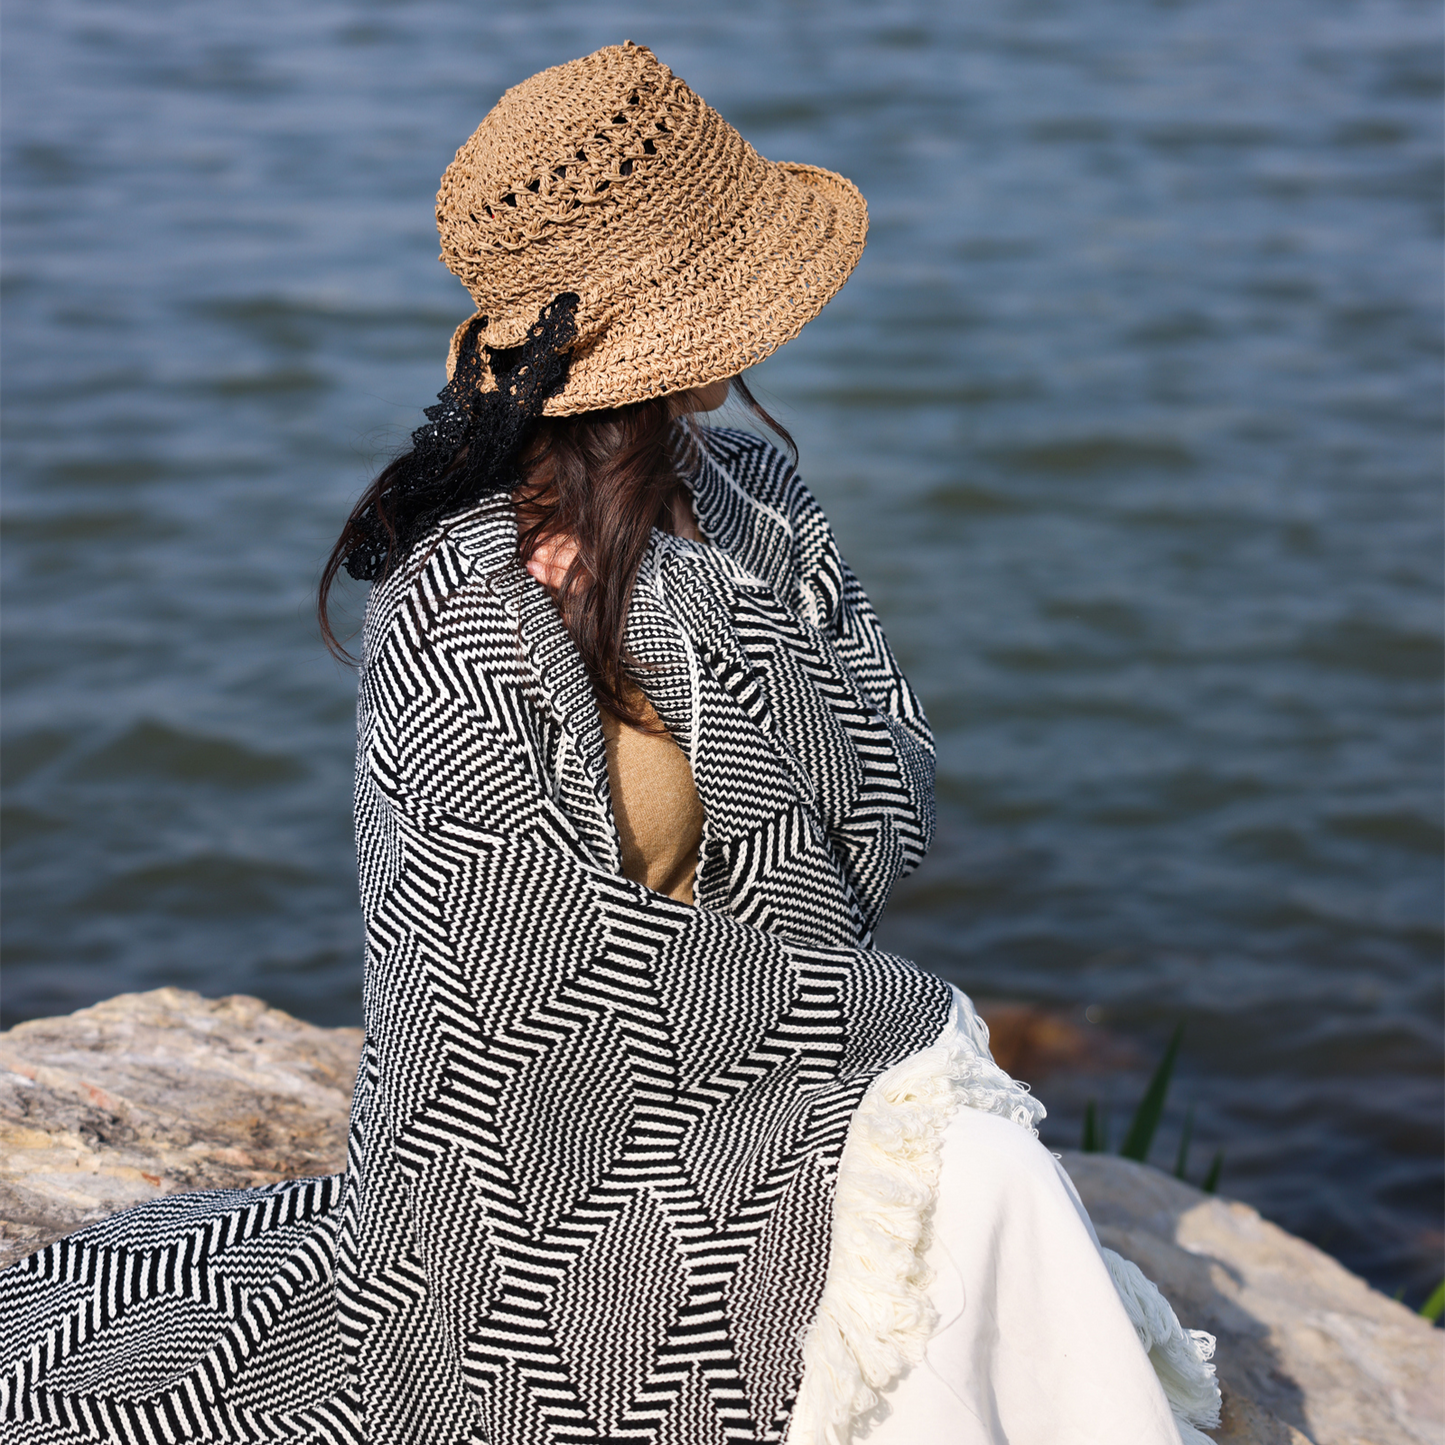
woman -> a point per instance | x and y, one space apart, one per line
647 1142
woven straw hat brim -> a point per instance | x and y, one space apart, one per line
789 256
692 256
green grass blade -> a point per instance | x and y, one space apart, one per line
1092 1143
1434 1307
1151 1107
1185 1136
1211 1180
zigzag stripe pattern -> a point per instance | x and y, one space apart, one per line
595 1132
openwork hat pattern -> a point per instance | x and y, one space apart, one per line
693 256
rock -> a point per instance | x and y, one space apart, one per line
1242 1422
1031 1042
156 1093
159 1093
1307 1351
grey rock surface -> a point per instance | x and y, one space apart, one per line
161 1092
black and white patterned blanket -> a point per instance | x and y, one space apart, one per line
595 1131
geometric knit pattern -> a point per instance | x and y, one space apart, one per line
596 1132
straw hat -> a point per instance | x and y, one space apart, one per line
693 257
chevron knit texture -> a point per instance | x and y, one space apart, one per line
596 1133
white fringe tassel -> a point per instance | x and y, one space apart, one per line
875 1318
1180 1357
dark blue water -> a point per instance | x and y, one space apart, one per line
1130 421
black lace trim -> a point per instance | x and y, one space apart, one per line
425 485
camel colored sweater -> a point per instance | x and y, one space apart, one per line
655 802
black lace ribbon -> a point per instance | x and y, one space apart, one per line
428 484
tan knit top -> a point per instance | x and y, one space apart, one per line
655 803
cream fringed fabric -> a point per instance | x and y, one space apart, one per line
1180 1357
967 1300
876 1315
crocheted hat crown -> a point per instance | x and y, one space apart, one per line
692 256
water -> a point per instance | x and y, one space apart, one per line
1129 420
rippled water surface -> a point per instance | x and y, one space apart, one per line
1129 420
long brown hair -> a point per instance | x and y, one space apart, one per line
604 479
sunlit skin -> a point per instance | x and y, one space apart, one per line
549 563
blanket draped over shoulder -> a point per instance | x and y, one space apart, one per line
596 1132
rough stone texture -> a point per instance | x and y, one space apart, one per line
155 1093
1306 1349
160 1093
